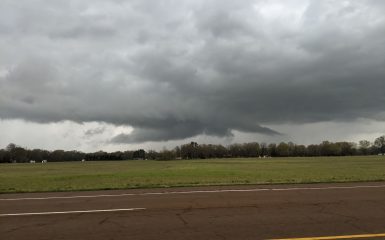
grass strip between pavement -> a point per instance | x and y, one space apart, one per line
104 175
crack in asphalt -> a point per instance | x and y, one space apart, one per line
184 211
179 215
117 224
103 220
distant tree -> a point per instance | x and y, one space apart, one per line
221 151
236 150
11 150
251 149
178 152
97 156
264 149
379 143
20 155
36 155
186 151
190 151
4 156
271 150
16 153
291 149
114 156
128 155
166 155
313 150
57 156
139 154
346 148
205 151
152 155
10 147
299 151
364 146
330 149
283 150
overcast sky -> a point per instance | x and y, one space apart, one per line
116 75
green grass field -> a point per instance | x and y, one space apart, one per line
147 174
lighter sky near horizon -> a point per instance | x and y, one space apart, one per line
117 75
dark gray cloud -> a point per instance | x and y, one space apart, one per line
94 131
177 69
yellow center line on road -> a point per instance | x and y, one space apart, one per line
336 237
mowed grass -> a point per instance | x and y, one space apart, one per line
72 176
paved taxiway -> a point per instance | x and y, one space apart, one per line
227 212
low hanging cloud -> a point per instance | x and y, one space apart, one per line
94 131
178 69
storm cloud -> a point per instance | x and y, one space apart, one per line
178 69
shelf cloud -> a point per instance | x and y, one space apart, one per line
178 69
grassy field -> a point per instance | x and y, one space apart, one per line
148 174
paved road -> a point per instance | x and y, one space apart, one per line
248 212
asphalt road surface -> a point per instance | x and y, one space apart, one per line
330 211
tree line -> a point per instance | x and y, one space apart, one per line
17 154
